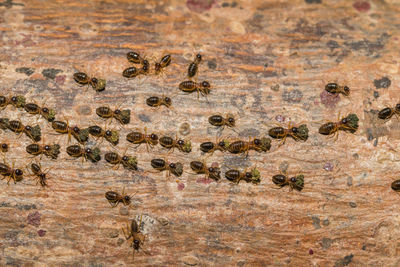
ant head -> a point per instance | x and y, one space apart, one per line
47 147
248 175
293 179
19 172
94 80
397 107
198 57
76 129
221 144
172 165
257 142
145 68
14 99
45 110
153 136
108 133
346 90
136 244
205 84
4 146
145 63
294 129
42 176
28 128
127 198
117 112
211 169
181 142
88 150
344 120
167 100
157 66
231 120
125 158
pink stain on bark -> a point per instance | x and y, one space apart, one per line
60 79
181 186
199 5
203 181
329 100
362 6
41 232
34 218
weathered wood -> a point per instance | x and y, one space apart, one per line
268 62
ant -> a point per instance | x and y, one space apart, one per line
128 162
114 198
155 101
396 186
259 145
138 138
296 182
210 147
86 153
81 135
123 116
164 62
32 132
111 136
134 57
50 151
40 175
4 147
4 101
236 176
211 172
83 79
13 174
388 112
18 101
182 145
218 120
193 67
34 109
132 72
161 165
349 124
334 88
202 88
297 133
138 237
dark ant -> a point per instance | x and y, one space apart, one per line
111 136
34 109
17 101
297 133
32 132
81 135
259 145
134 57
295 182
114 198
210 147
11 173
182 145
4 101
218 120
123 116
50 151
128 162
193 67
201 168
334 88
161 165
164 62
155 101
236 176
132 72
138 238
4 147
396 186
388 112
83 79
349 124
77 151
39 174
202 88
139 138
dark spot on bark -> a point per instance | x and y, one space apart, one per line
316 222
376 94
27 71
376 141
234 4
345 261
225 4
11 235
144 118
275 87
366 45
326 243
26 207
34 218
384 82
269 73
5 204
199 5
332 45
249 132
212 64
349 180
10 3
329 100
313 1
370 134
50 73
293 96
13 262
364 247
362 6
353 204
41 232
325 222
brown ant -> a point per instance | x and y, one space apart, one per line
210 147
155 101
334 88
296 182
83 79
139 138
11 173
32 132
396 186
161 165
81 135
138 237
50 151
134 57
129 162
236 176
202 88
193 67
77 151
114 198
388 112
111 136
35 109
210 172
349 124
297 133
259 145
39 174
123 116
170 143
164 62
17 101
